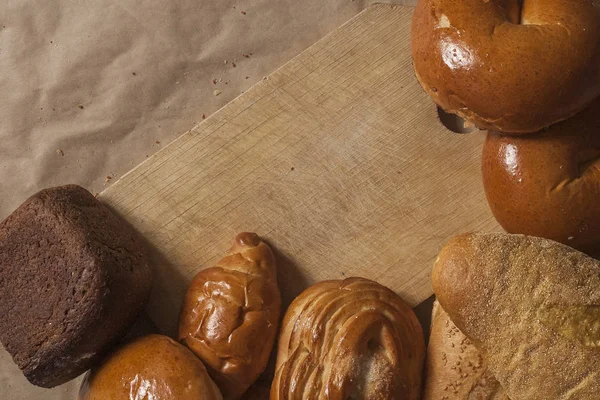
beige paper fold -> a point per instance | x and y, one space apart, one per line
89 88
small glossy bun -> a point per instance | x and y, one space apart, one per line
153 367
548 184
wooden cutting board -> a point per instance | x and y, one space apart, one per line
338 159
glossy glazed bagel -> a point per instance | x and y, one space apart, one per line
548 184
351 339
514 66
230 315
151 367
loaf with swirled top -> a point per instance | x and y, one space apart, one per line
230 315
350 339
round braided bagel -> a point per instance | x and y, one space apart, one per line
351 339
514 66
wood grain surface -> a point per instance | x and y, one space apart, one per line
338 159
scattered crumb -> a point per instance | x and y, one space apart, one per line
220 79
51 41
243 12
60 152
234 65
291 169
80 107
108 178
247 77
226 83
203 116
156 142
214 81
246 55
217 92
133 73
343 274
147 156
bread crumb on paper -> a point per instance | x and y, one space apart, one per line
60 152
217 92
243 12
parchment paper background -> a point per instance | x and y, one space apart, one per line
89 89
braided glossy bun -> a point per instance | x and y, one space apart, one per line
351 339
505 66
230 315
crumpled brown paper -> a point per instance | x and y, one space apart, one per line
88 89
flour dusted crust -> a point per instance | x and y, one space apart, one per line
455 369
530 306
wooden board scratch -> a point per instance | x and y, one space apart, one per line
337 159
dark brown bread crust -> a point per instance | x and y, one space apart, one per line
73 277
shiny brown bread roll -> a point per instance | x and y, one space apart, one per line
351 339
151 367
230 315
508 65
548 184
455 369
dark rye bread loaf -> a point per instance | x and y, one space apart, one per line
73 278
